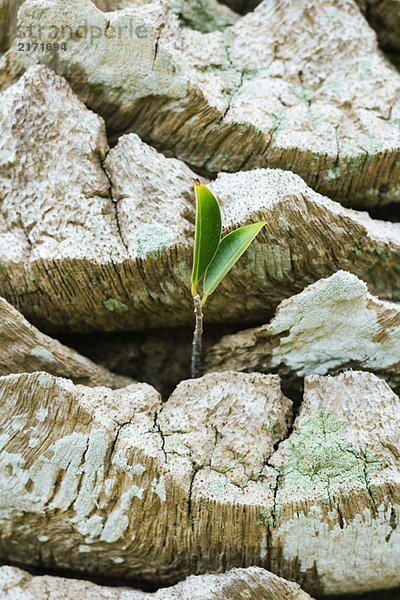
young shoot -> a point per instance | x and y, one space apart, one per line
213 258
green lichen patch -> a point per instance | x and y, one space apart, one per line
385 253
218 487
114 305
319 460
279 119
266 518
202 15
304 93
273 428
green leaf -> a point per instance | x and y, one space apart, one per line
230 250
208 231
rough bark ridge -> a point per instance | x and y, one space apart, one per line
139 490
102 240
331 325
299 86
224 483
24 349
253 582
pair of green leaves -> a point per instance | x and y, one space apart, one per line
214 257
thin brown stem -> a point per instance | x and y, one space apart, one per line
197 338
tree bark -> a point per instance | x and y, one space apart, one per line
93 482
123 260
333 324
24 349
302 108
236 584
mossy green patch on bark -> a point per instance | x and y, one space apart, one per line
114 305
202 15
320 461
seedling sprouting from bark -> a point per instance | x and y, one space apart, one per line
212 257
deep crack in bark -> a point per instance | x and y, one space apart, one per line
113 201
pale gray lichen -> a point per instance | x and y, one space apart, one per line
18 422
42 412
118 520
203 15
152 238
44 355
218 486
330 323
46 381
367 546
91 123
120 461
158 487
6 156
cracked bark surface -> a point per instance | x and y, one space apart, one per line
93 239
253 582
205 482
242 98
332 325
24 349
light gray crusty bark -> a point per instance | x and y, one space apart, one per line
253 582
24 349
98 481
294 85
103 239
331 325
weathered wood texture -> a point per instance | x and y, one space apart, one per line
4 25
202 15
337 504
24 349
332 325
294 85
103 240
96 481
237 584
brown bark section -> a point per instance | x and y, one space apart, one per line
253 582
24 349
